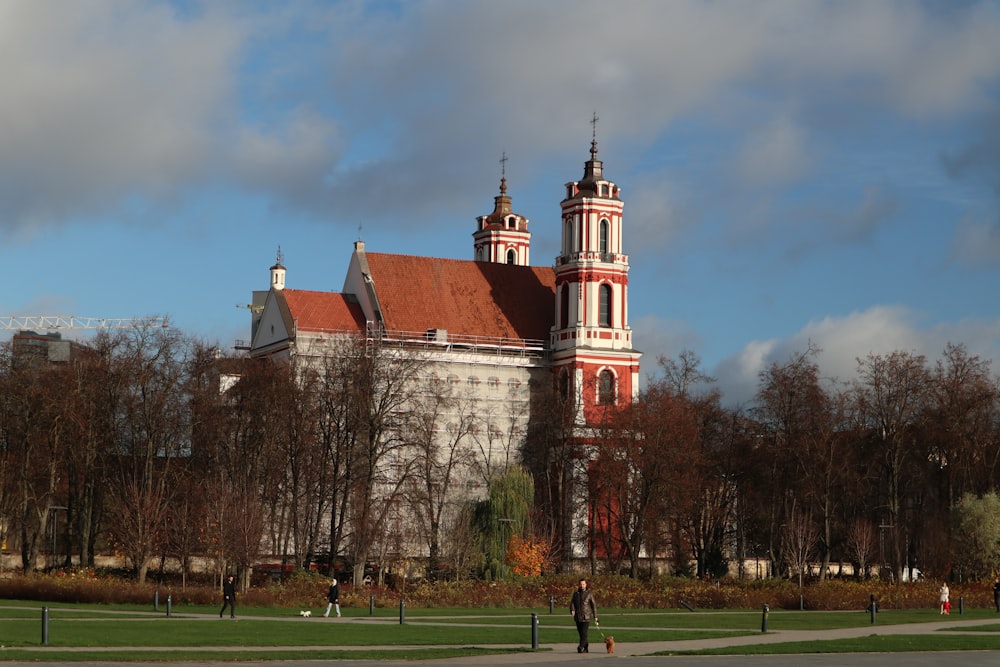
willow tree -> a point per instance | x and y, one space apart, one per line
505 513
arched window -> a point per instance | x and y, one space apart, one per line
567 237
604 231
604 305
479 254
605 388
511 256
564 307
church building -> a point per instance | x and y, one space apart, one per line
494 327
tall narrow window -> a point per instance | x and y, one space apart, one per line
564 384
564 307
604 305
604 236
567 237
511 257
605 388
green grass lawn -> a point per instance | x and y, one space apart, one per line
132 632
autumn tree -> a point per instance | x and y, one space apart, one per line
963 410
639 474
550 455
33 431
891 393
150 431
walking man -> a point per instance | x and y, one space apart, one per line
229 596
583 609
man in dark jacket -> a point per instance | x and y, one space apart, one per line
229 596
584 609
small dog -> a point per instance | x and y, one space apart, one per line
609 643
305 614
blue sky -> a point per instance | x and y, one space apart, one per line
793 171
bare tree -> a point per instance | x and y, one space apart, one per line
861 542
799 542
438 428
151 430
384 384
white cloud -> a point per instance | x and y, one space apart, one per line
879 330
111 100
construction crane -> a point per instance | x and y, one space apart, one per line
49 322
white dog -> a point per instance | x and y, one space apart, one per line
305 614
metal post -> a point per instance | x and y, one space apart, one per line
763 618
802 602
873 607
534 631
169 605
552 604
371 605
961 604
402 611
45 626
156 600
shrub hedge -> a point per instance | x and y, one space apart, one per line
309 590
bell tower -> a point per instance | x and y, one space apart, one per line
593 359
502 236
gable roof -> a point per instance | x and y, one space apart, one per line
323 311
464 297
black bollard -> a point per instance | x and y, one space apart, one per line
169 606
534 631
873 607
371 605
961 604
156 600
402 611
763 618
552 604
45 626
802 602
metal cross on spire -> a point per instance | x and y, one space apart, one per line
593 140
503 173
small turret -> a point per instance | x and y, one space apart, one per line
502 236
278 273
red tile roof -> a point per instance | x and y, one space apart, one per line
464 297
318 311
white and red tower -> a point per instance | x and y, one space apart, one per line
502 236
593 359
